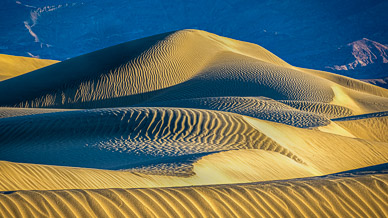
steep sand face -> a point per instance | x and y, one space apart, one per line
12 66
195 109
359 196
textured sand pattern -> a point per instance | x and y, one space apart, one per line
211 169
360 196
261 108
324 109
127 136
16 112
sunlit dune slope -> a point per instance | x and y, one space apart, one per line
234 166
12 66
369 126
181 65
15 112
353 196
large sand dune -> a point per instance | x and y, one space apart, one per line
120 131
180 65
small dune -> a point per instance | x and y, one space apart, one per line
12 66
369 126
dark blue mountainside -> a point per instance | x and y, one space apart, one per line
312 34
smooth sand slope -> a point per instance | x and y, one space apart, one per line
119 132
12 66
359 196
369 126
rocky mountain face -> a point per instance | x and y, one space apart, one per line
363 58
382 82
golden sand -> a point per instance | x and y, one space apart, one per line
12 66
359 196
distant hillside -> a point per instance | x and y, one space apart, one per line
363 58
383 82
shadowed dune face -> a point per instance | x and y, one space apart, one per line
127 136
258 107
190 108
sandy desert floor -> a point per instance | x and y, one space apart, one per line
189 124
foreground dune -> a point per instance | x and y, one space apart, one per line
130 129
349 196
12 66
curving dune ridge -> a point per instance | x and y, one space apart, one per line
119 131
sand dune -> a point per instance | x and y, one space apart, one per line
127 136
359 196
12 66
119 132
184 143
181 65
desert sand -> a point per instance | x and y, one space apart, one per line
12 66
191 124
